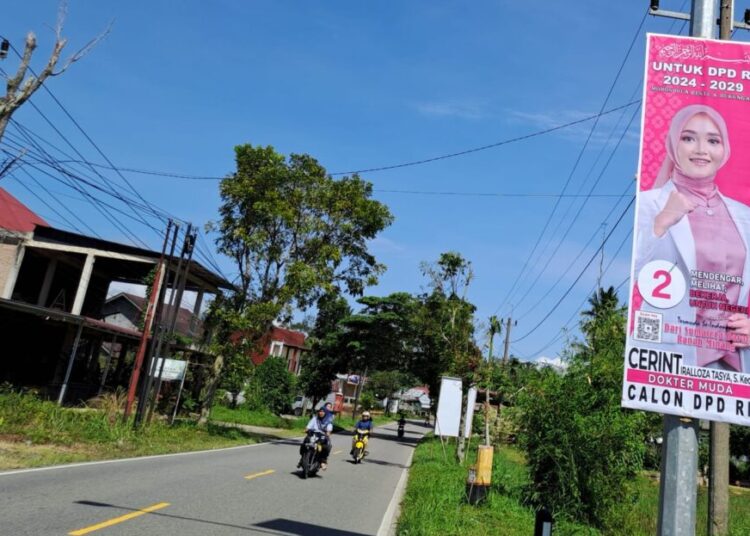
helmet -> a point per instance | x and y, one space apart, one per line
366 414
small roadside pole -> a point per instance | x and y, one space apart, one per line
544 523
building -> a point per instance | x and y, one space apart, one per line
285 343
53 289
126 310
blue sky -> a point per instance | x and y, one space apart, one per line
176 85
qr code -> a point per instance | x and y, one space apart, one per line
647 326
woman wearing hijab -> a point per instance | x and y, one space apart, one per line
686 220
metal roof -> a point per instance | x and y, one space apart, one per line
17 217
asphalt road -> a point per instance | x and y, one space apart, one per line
244 490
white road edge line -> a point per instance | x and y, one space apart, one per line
122 460
388 525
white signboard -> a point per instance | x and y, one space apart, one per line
448 420
471 400
173 369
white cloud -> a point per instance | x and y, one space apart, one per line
556 363
580 131
381 244
461 110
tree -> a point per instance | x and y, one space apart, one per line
327 356
21 86
273 385
382 335
238 369
293 233
583 450
446 322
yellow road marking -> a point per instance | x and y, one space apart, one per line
338 452
115 521
256 475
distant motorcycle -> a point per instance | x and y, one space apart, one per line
358 451
401 424
312 446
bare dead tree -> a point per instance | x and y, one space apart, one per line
21 86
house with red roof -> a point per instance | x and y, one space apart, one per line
285 343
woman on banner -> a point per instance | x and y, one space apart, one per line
686 221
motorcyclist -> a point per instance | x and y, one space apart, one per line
320 425
330 415
363 427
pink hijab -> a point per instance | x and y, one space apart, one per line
670 164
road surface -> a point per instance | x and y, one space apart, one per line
244 490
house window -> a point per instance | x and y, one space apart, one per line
276 348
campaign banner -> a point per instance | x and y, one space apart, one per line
688 344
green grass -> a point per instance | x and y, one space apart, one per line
34 433
434 503
241 415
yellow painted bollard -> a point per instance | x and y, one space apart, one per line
480 476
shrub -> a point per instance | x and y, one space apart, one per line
583 450
272 386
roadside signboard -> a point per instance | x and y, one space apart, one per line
448 417
173 369
688 350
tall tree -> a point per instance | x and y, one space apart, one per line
447 321
293 233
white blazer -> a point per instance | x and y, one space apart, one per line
677 245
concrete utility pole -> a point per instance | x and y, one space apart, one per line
678 488
506 351
718 472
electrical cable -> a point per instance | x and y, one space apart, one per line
554 308
575 165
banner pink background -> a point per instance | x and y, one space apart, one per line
733 180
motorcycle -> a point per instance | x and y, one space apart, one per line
401 425
312 446
358 451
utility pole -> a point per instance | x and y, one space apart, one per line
147 323
718 465
156 321
678 488
506 354
601 259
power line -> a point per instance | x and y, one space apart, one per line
548 263
575 165
572 317
552 310
508 141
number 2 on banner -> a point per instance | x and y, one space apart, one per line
661 284
659 290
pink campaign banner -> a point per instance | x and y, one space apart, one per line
688 346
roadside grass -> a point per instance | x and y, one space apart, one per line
35 433
434 502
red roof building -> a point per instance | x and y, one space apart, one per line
285 343
17 217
